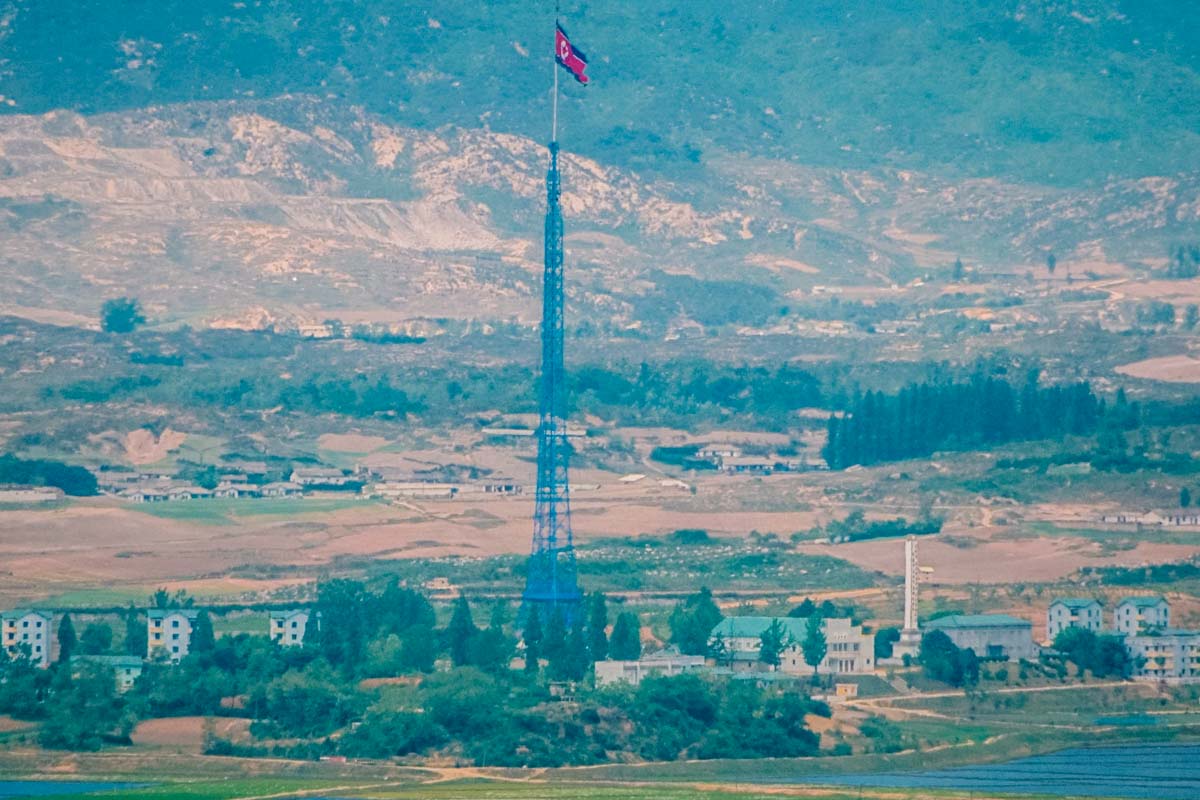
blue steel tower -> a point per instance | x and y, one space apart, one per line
551 582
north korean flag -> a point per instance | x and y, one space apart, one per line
569 55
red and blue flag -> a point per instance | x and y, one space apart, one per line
570 56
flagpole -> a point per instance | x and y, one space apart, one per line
554 67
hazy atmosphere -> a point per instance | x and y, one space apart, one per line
653 400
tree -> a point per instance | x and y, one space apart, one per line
555 639
66 639
1051 263
626 641
460 632
135 632
1185 497
885 639
772 643
958 272
814 644
121 315
1191 316
346 610
804 610
85 708
692 621
598 626
533 640
941 658
203 639
718 650
573 662
95 639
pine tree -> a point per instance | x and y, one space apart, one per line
66 639
692 621
598 627
958 270
555 640
460 632
573 660
135 633
772 642
626 641
533 641
203 640
814 645
1185 497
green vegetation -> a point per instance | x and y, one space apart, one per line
855 527
122 315
1103 656
984 411
75 481
943 661
962 100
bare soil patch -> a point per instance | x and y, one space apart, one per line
1172 369
998 560
351 442
143 447
188 732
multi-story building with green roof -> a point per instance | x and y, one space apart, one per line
1074 612
1142 612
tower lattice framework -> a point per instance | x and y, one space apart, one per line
551 581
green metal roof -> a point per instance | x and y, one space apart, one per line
1143 601
160 613
753 627
1076 603
962 621
17 613
112 661
286 614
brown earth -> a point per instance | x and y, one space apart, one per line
143 447
350 442
187 732
995 560
1173 369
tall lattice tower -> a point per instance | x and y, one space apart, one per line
551 580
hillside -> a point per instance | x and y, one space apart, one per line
248 213
1064 92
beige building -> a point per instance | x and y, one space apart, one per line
28 630
1165 654
169 632
288 627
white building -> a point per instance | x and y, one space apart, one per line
849 651
29 631
1074 612
1136 614
288 627
169 632
664 662
320 476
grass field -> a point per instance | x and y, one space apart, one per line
227 510
482 789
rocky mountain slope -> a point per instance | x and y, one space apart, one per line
294 210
